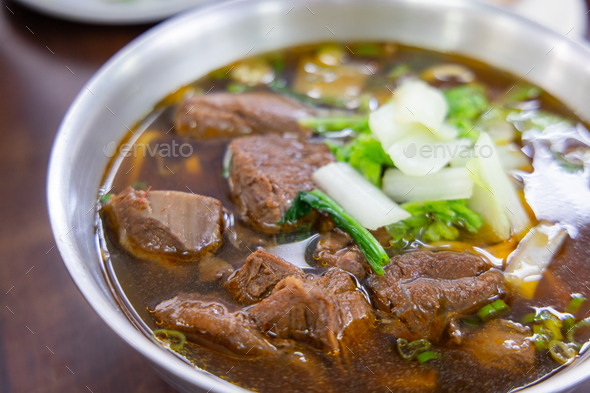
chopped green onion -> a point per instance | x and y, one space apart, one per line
584 323
548 330
409 350
426 356
575 304
474 321
492 310
173 338
316 199
106 198
500 306
568 322
528 318
237 88
487 313
139 185
561 352
541 341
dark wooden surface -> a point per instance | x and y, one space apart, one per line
50 338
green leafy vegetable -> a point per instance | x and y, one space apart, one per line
435 221
327 124
173 338
369 246
365 154
466 104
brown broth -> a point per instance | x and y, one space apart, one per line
372 364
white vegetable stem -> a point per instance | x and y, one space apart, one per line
528 263
494 197
421 153
447 184
357 196
412 129
418 102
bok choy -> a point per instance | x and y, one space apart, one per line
534 253
494 196
366 242
361 199
446 184
365 154
434 221
466 104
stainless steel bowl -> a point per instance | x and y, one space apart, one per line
187 47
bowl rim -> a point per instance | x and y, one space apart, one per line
58 162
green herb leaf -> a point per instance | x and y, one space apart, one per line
466 104
365 154
435 221
316 199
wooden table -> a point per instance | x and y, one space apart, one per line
50 338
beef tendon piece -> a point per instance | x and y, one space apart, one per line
210 321
259 275
327 312
267 173
233 115
336 249
427 292
503 345
166 225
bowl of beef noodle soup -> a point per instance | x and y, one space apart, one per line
336 196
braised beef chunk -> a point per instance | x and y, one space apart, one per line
427 291
327 312
503 344
336 249
232 115
211 321
267 173
259 275
167 225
